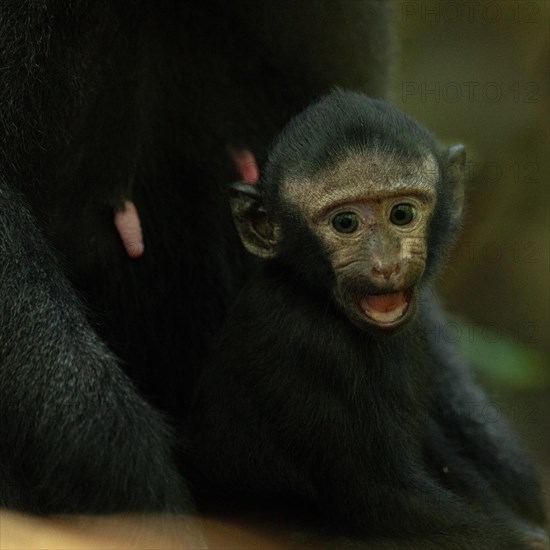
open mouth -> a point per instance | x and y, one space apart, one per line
385 309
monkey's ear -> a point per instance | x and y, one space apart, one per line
456 163
257 233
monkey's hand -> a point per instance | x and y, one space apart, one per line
245 163
129 228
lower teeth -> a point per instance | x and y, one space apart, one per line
386 316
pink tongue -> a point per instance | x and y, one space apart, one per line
383 302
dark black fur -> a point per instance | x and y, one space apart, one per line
105 101
299 404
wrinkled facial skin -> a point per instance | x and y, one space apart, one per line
372 215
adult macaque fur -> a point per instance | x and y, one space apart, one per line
328 387
118 259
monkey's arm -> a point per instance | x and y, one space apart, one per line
69 417
487 455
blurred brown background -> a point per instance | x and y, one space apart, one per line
477 73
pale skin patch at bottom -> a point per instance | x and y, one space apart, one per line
128 226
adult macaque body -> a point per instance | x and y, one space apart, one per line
118 259
328 387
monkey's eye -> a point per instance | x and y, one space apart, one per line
345 222
402 214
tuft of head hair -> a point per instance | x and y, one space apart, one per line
339 124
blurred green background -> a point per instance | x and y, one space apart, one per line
477 72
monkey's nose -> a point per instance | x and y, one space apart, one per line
385 271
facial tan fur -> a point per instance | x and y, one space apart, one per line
370 185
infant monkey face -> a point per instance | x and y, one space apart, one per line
377 249
374 226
